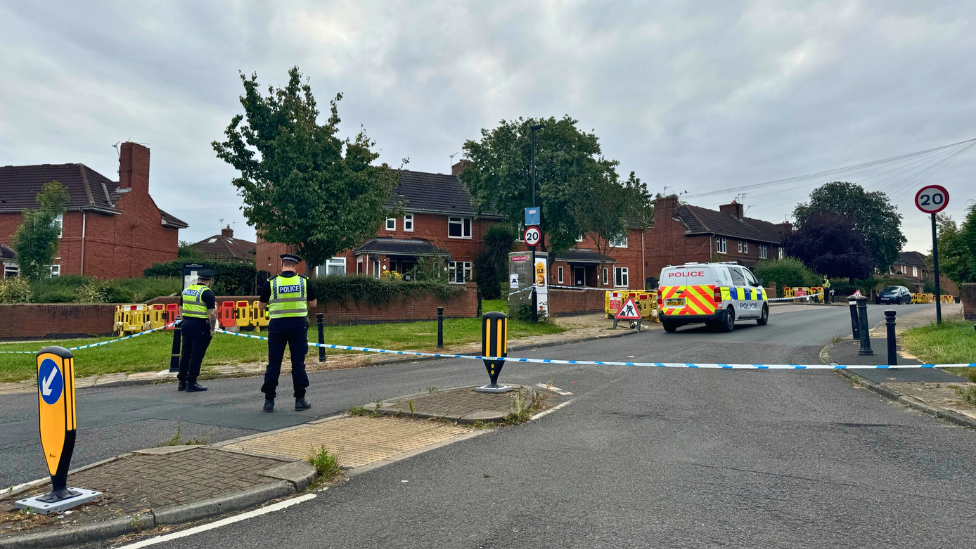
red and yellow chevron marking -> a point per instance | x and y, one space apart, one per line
699 300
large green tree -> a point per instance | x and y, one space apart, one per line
957 247
301 184
567 160
871 214
36 239
605 209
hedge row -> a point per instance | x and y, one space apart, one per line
366 289
230 278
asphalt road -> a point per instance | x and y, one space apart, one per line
640 457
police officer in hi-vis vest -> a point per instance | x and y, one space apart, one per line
287 297
199 311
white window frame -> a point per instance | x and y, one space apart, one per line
915 271
740 246
619 241
55 270
391 221
579 238
606 277
332 262
745 247
60 221
10 271
559 275
763 251
408 223
376 268
721 245
621 277
452 272
464 222
780 252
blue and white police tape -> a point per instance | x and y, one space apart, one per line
99 344
794 297
616 363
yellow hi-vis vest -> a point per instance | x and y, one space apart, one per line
193 305
287 297
826 283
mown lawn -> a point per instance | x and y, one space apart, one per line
151 352
950 343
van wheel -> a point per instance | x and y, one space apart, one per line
729 323
669 327
764 317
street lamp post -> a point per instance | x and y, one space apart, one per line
535 303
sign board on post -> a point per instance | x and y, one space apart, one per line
532 216
628 311
57 421
932 199
532 236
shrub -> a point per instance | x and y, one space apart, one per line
15 290
326 464
230 277
844 287
788 271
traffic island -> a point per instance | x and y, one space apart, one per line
468 406
167 485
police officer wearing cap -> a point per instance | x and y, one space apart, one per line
199 311
287 297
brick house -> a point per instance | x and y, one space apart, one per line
684 233
225 247
912 267
437 219
110 229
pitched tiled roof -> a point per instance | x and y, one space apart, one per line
87 189
705 221
435 193
398 246
911 258
226 247
6 252
172 221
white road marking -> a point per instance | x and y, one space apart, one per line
549 411
556 390
223 522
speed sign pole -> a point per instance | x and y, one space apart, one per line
932 200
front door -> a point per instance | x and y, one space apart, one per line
579 276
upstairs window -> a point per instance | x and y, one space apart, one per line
763 251
619 241
407 223
740 246
459 227
745 247
721 245
391 223
59 221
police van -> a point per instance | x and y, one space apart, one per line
717 294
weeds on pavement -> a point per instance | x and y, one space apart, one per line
363 411
177 438
326 464
968 394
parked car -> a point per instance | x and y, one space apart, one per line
893 294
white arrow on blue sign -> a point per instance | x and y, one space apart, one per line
51 381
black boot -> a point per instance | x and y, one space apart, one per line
181 386
195 387
269 405
302 404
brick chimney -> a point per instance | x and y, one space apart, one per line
785 227
460 166
227 231
734 209
134 167
666 207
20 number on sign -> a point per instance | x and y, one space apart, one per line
932 199
532 236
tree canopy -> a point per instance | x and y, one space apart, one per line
300 183
957 247
870 213
568 161
38 236
831 246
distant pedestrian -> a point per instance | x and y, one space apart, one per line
287 297
827 288
199 311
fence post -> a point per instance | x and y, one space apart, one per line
440 327
892 347
862 309
319 320
854 320
174 357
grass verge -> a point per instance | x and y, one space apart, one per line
151 352
948 343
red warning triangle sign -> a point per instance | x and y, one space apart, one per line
857 293
628 311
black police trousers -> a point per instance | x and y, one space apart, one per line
294 333
196 339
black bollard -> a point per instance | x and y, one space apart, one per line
494 348
174 358
479 303
440 327
892 347
863 328
853 305
319 320
535 305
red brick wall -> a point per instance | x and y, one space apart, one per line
55 320
666 243
575 302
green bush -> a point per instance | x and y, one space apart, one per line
15 290
788 271
230 277
366 289
843 287
60 296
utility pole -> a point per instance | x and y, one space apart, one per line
535 312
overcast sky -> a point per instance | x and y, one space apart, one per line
695 96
